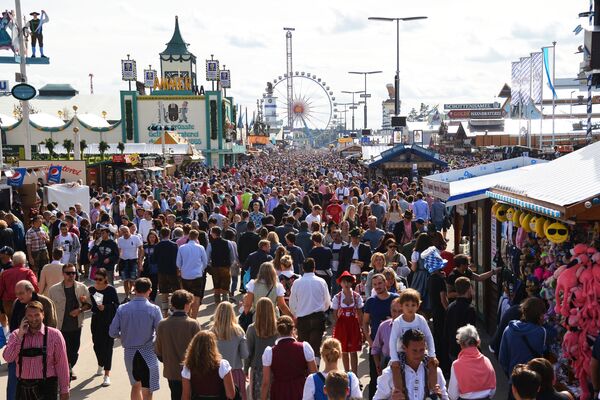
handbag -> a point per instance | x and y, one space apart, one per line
246 277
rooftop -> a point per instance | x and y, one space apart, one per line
176 45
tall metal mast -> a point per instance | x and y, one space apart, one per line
289 78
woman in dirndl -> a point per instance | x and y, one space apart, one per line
348 305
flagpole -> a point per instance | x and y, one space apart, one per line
553 96
529 101
541 104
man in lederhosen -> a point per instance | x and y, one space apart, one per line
36 25
33 347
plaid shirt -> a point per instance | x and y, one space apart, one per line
34 239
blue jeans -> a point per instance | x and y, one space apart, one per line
234 282
11 388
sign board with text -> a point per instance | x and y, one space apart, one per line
475 114
471 106
72 170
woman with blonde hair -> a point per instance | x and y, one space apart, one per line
205 373
287 277
378 264
279 253
260 334
273 238
231 342
331 351
267 285
351 216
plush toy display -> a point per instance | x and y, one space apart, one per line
516 218
539 227
509 214
501 213
557 232
525 222
495 208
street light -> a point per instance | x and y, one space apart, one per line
365 94
397 77
571 105
353 106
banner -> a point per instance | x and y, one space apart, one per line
149 77
515 95
128 70
225 79
524 80
54 173
212 70
549 68
537 77
17 178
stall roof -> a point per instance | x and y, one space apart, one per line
470 184
153 169
568 180
399 149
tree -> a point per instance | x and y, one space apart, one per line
103 148
121 147
50 144
83 145
69 146
412 116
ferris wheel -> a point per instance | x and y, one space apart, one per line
311 106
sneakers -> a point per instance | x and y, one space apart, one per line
100 370
106 381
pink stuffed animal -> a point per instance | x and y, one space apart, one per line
567 281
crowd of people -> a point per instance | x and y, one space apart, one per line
310 264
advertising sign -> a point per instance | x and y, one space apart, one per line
471 106
128 70
4 87
71 171
149 77
17 178
54 173
475 114
23 91
185 114
212 70
225 78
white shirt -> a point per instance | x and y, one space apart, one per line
309 387
224 369
385 384
129 247
309 295
311 218
267 357
399 326
279 289
454 394
66 243
144 228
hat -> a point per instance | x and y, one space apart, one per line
7 251
420 221
408 214
355 232
33 14
344 275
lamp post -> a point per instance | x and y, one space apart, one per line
353 106
345 105
365 94
571 105
397 76
76 137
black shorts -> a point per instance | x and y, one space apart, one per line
140 370
194 286
168 283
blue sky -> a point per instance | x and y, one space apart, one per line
461 53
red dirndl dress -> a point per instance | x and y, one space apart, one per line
347 328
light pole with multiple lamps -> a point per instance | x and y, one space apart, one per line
366 95
397 77
353 106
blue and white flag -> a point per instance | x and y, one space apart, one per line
537 76
515 95
549 68
54 173
577 29
524 80
17 178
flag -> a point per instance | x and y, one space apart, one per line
514 85
524 77
54 173
537 77
549 68
577 29
17 178
240 122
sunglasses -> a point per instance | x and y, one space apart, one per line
70 272
553 231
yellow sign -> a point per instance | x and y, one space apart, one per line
176 83
134 159
345 140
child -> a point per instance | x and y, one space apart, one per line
346 327
360 288
410 300
336 385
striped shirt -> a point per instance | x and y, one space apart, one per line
56 359
36 239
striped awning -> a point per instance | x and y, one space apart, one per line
524 204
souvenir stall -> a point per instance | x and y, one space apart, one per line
464 191
549 220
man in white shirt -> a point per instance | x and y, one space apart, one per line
309 300
414 367
145 225
191 263
131 255
315 215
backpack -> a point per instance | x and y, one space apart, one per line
319 381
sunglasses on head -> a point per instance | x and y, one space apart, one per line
70 272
